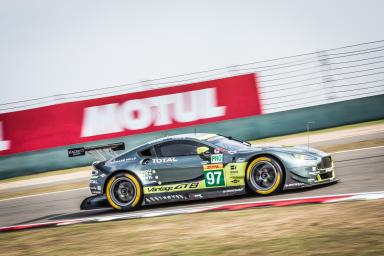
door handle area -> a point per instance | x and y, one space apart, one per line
145 161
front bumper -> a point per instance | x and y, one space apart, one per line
95 187
311 173
96 182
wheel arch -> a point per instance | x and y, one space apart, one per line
273 156
114 173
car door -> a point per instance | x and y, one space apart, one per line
177 162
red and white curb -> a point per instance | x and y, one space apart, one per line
226 207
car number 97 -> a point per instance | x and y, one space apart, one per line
214 178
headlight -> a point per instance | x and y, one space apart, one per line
303 157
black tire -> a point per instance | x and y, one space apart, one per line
124 192
264 176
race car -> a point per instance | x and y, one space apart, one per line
199 166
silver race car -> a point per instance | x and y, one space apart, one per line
198 166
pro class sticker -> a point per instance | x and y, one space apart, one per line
217 158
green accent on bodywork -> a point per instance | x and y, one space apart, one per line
175 187
235 174
214 178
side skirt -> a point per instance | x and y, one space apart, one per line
168 197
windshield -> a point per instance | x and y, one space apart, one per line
229 143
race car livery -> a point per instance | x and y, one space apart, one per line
198 166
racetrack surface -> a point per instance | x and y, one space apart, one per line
358 170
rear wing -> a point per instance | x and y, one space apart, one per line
100 152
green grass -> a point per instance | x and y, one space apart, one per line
350 228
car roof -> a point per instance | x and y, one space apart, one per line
196 136
193 136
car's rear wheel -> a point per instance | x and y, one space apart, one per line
124 192
264 175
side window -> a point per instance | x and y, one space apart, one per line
178 148
150 152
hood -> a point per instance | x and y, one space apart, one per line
301 149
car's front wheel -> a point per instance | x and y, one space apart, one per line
264 175
124 192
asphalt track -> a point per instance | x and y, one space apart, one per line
358 171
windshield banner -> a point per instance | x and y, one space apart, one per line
129 114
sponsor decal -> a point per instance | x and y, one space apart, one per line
217 158
76 152
214 178
129 114
148 175
164 160
200 196
233 190
213 167
235 181
240 160
169 188
4 144
233 169
123 160
297 184
137 114
218 150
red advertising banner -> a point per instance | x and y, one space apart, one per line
129 114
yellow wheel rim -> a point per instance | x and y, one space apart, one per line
277 178
134 181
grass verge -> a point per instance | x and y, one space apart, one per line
350 228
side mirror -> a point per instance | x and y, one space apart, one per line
203 152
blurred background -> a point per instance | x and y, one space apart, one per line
82 73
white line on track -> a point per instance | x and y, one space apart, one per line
42 194
357 149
